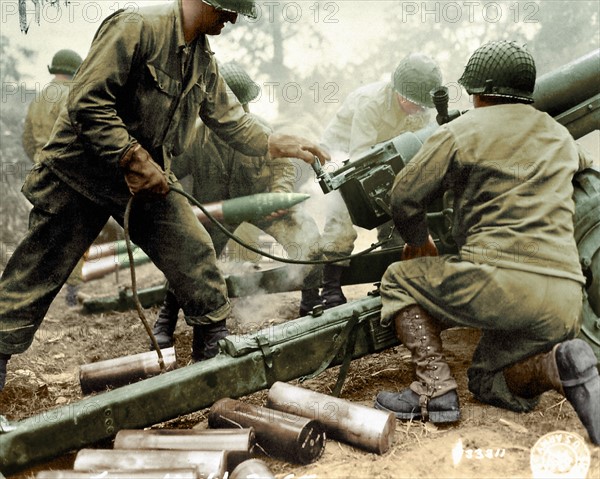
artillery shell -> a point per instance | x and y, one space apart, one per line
283 435
361 426
206 463
150 474
252 469
95 377
251 207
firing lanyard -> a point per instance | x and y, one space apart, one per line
258 251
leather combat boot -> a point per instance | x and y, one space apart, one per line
205 340
3 362
309 299
432 397
570 369
331 293
166 322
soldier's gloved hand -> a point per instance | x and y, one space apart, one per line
142 173
426 249
293 146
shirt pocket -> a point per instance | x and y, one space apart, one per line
187 115
157 99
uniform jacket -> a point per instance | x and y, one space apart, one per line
141 83
369 115
41 115
510 168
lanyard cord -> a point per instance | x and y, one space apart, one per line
238 240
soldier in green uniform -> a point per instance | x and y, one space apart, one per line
371 114
44 109
40 118
219 172
148 77
516 275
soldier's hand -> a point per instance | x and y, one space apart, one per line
293 146
426 249
142 173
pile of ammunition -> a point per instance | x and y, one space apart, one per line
293 427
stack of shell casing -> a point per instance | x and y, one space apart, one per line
167 453
292 427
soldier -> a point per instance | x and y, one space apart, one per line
40 118
371 114
149 75
219 172
43 111
516 276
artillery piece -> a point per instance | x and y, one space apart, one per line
308 345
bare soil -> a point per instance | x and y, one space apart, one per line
490 442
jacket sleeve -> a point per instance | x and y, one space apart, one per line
223 114
363 133
282 174
418 183
92 102
585 159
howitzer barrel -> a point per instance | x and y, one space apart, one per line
571 94
285 435
562 89
359 425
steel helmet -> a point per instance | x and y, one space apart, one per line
65 61
501 69
239 81
243 7
414 78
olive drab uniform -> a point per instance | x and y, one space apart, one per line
41 115
39 121
219 172
152 89
516 275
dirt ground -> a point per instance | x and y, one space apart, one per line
487 442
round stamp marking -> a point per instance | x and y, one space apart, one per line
560 454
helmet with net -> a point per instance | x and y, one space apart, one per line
415 77
500 69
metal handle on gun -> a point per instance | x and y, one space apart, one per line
322 175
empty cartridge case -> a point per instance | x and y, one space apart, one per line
149 474
206 463
287 436
252 469
361 426
238 443
95 377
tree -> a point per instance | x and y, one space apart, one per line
567 31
